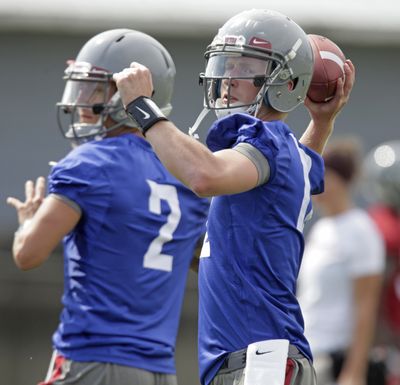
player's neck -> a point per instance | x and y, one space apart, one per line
124 130
268 114
338 206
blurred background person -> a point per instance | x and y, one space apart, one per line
341 274
382 180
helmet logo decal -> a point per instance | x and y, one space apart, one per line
260 43
230 39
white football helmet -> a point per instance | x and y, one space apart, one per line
90 96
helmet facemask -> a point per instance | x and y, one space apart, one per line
269 37
229 63
233 60
90 98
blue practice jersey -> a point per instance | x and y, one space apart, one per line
251 259
126 261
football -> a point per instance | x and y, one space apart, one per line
328 68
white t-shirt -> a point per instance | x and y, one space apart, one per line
338 250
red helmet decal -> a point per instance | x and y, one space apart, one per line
260 43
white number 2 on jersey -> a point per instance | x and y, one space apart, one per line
154 259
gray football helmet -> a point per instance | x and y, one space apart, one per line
382 172
90 96
280 54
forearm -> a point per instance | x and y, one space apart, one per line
316 135
187 159
27 253
40 235
365 308
357 356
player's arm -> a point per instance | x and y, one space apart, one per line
204 172
43 223
366 299
323 115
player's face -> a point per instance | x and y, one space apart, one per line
93 93
241 90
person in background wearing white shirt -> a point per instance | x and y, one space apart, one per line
341 275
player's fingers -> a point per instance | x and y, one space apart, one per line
137 65
40 188
116 76
350 76
29 190
126 73
16 203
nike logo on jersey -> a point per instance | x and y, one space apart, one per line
259 353
146 115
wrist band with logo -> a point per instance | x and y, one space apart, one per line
144 112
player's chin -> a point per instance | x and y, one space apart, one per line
231 102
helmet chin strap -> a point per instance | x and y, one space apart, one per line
221 112
192 130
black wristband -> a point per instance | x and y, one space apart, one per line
144 112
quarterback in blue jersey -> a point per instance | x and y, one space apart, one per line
129 227
259 67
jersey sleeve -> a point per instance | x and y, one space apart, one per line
268 138
317 171
81 181
242 128
258 160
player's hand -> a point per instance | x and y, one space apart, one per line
352 379
323 113
34 195
134 82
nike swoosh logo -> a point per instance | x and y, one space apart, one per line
259 353
146 115
255 41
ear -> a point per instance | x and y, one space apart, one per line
290 85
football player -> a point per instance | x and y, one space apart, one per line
259 67
129 227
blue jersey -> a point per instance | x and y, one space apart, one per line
127 259
251 259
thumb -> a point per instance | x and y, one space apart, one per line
14 202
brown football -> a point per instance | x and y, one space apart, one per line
328 68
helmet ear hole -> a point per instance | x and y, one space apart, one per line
292 84
98 108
